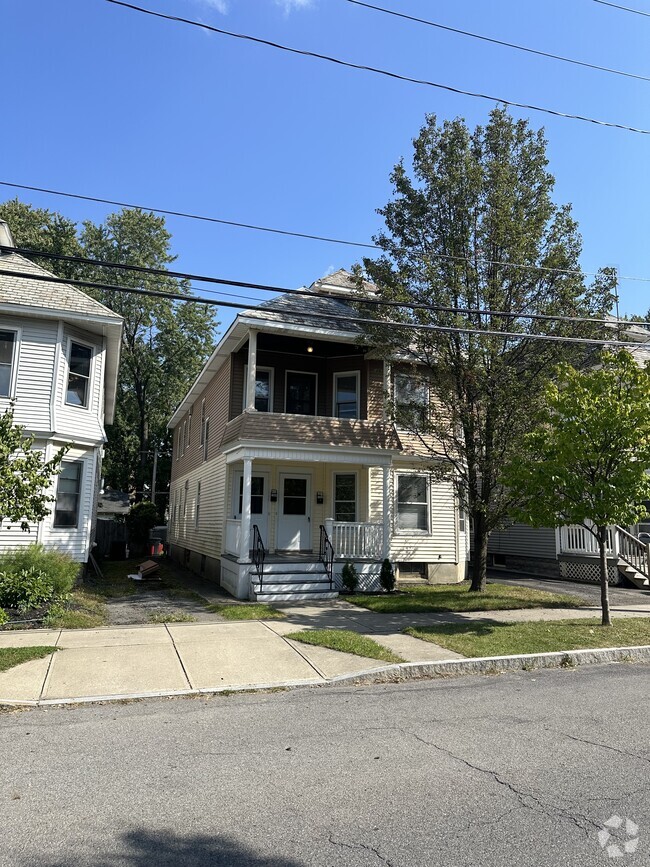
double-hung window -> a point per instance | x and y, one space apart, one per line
68 494
346 395
8 341
345 497
263 389
300 392
412 512
411 401
79 364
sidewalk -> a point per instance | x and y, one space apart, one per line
179 658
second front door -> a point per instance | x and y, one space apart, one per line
294 514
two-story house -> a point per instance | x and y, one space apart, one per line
59 357
283 451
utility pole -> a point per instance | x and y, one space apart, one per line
153 476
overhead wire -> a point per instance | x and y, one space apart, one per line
623 8
494 41
265 287
376 70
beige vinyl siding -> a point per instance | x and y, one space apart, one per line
34 359
523 541
440 545
375 391
207 537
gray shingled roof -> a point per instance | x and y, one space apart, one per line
43 295
292 309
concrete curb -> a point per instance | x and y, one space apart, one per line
397 673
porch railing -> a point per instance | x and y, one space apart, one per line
354 540
633 551
259 553
326 554
233 536
577 539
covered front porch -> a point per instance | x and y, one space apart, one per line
302 506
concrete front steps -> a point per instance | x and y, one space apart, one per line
637 578
292 581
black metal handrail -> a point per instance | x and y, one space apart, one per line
259 553
326 554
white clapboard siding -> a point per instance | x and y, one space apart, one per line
524 541
75 421
35 359
440 545
74 541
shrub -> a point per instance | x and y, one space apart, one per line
387 576
349 577
59 568
26 589
142 517
4 617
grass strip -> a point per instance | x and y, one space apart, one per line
10 656
457 597
247 611
347 642
482 638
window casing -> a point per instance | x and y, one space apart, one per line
345 497
80 356
263 389
202 422
412 507
346 395
411 401
68 494
8 344
206 438
184 436
198 504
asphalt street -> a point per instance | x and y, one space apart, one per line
518 769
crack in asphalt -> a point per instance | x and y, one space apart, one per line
598 744
523 797
364 846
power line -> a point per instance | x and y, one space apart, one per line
330 317
497 41
445 256
375 70
188 216
623 8
265 287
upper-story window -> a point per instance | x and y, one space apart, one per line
8 341
411 401
346 395
263 389
301 393
79 365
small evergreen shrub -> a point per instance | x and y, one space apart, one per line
349 576
4 617
26 589
59 568
387 576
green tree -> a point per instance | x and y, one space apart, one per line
40 229
25 475
164 343
587 461
473 203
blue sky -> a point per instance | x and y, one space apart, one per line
106 102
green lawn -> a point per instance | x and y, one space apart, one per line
538 636
83 610
171 617
345 641
456 597
246 611
10 656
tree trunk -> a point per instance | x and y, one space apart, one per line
604 584
479 572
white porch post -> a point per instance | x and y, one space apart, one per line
386 501
252 370
244 539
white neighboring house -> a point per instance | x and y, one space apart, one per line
284 446
59 358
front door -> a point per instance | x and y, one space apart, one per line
259 505
294 514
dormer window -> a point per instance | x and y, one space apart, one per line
79 360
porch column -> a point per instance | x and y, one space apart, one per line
386 500
244 539
252 370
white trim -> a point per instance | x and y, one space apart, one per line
258 368
354 473
302 373
81 462
15 358
357 376
91 375
263 451
408 531
280 516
